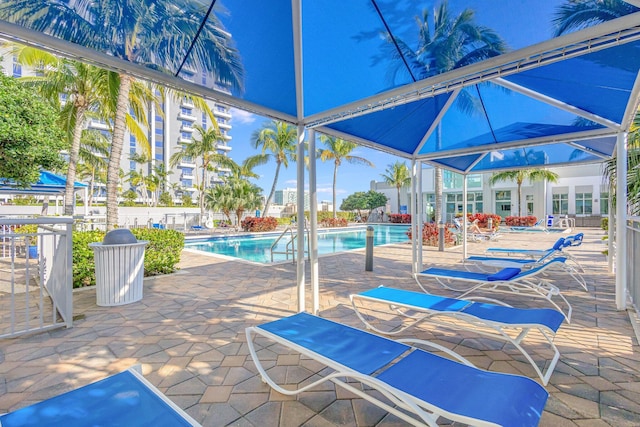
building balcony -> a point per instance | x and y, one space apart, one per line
186 128
187 175
186 103
186 116
183 140
223 147
96 124
223 170
224 114
225 126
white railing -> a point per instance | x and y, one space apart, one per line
633 261
35 275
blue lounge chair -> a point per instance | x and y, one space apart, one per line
557 250
124 399
500 322
507 280
415 385
524 263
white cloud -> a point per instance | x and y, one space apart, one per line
242 117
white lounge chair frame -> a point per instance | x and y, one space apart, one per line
409 408
558 250
455 313
525 283
481 261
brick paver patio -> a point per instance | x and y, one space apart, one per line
188 335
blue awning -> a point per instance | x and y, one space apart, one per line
49 183
355 69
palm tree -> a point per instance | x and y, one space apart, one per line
578 14
452 42
399 176
278 140
205 148
81 83
520 175
339 151
153 32
92 163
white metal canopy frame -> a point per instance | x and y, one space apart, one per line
339 84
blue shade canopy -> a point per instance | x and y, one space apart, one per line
358 69
49 183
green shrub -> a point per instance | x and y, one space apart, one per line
605 224
284 220
84 268
162 254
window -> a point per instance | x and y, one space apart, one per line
204 121
503 203
17 68
429 200
474 181
604 203
451 180
584 204
529 199
186 111
560 203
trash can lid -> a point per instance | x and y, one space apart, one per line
119 236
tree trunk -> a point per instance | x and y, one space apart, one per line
438 188
69 199
115 155
398 188
519 199
335 177
273 189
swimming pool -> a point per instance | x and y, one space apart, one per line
257 248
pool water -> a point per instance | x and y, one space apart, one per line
257 248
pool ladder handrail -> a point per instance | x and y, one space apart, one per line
290 247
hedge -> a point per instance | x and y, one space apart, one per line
254 224
162 254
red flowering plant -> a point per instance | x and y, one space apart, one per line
521 221
430 234
334 222
254 224
400 218
483 220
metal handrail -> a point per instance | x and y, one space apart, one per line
290 246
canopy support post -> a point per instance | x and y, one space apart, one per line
464 216
419 213
301 223
414 220
621 222
313 219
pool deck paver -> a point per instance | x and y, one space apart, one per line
188 335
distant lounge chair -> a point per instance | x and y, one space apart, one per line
414 385
507 280
124 399
197 228
500 322
557 250
482 261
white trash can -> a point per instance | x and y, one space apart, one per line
119 263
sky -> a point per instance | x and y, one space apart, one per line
351 177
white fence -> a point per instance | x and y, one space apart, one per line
35 275
633 261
